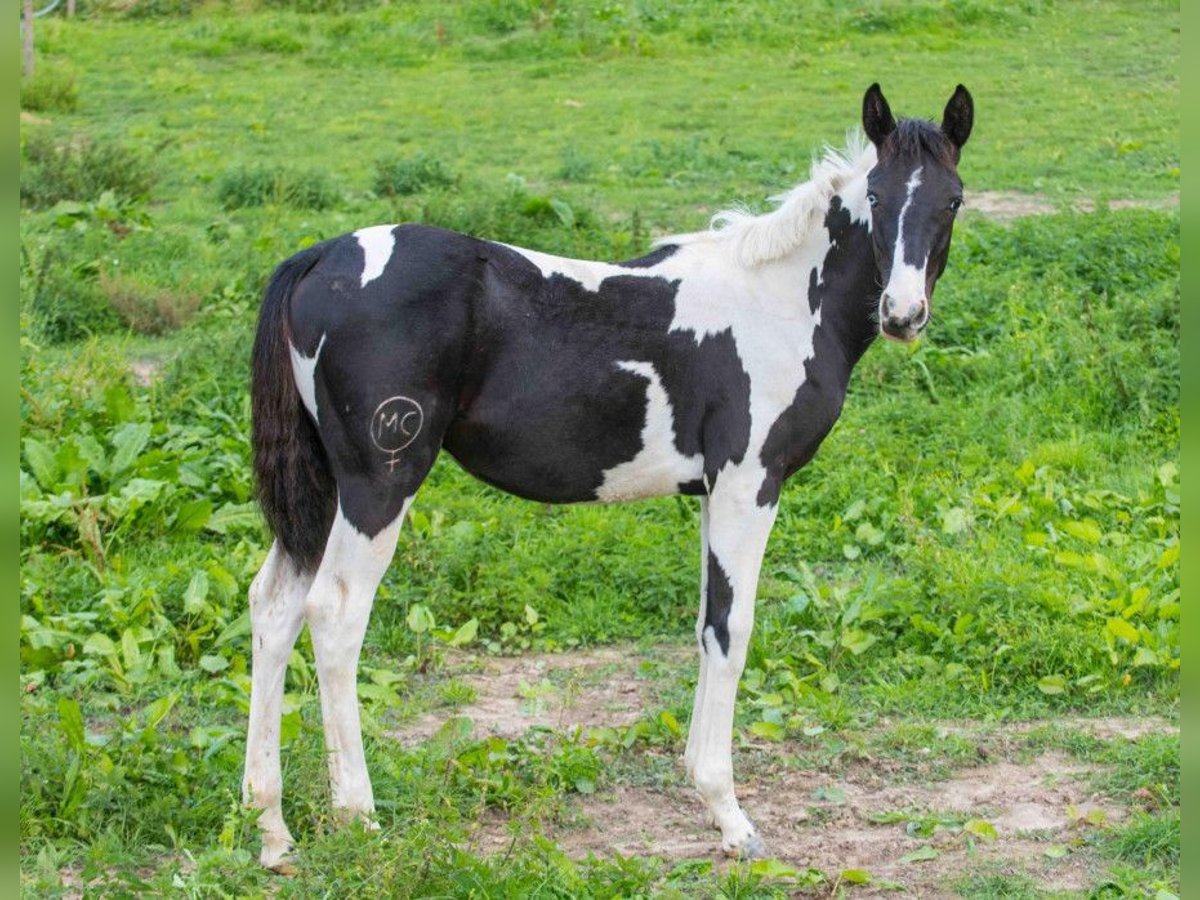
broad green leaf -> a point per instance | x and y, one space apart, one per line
135 494
1168 474
856 876
857 641
420 619
772 868
465 634
854 510
70 721
128 442
193 515
869 534
197 591
851 551
213 663
93 451
771 731
131 653
41 462
1052 684
157 711
1085 530
99 645
921 854
531 615
670 723
1055 851
234 517
1144 656
236 628
1119 628
981 828
1169 556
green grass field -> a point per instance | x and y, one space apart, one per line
964 675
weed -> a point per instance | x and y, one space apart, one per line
403 176
145 307
50 89
263 184
79 167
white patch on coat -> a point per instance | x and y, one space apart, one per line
906 283
377 242
304 370
588 273
659 468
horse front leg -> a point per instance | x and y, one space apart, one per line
737 532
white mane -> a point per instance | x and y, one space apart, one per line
754 239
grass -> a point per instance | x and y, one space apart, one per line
990 533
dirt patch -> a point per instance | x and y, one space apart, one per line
860 816
560 691
1005 205
810 818
1105 728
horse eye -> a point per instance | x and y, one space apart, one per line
872 198
956 203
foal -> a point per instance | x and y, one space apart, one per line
713 367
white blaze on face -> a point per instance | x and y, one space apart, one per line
377 243
906 283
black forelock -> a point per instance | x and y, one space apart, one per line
914 137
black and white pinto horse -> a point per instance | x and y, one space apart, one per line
712 367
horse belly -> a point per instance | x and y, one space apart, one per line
557 442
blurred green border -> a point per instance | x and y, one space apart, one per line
1189 453
11 56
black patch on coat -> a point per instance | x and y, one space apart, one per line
693 488
517 375
846 297
718 603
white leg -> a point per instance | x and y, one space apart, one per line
337 609
738 532
694 729
276 614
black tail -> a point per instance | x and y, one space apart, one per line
296 489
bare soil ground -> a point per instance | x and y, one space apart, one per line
856 815
1005 205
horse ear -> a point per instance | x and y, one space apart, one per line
877 115
959 116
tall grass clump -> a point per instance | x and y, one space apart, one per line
402 177
263 185
66 303
49 90
80 167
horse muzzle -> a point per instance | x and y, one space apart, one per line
902 320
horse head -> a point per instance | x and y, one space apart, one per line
914 192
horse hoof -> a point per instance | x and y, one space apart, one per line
277 856
751 848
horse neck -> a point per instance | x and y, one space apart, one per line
846 296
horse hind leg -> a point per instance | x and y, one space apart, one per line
276 616
337 610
